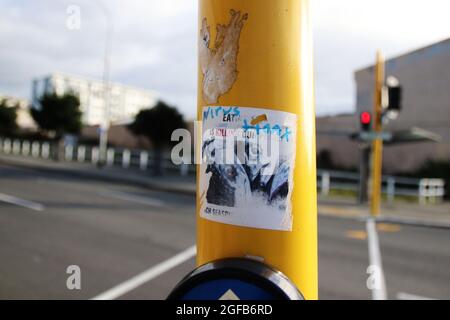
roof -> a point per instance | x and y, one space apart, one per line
427 51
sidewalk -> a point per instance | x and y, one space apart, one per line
437 215
433 215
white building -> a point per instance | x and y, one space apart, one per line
124 101
24 119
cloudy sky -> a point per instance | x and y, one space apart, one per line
154 43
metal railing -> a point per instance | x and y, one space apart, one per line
425 189
125 158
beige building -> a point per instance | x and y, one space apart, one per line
424 75
24 119
124 101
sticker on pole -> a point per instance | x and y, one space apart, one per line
247 166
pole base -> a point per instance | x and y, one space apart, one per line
235 279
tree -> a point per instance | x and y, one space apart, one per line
58 115
8 117
325 160
157 124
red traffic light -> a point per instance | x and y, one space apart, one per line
366 118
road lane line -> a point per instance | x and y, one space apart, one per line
134 198
379 293
21 202
332 211
388 227
356 234
408 296
381 227
147 275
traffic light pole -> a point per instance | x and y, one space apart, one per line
255 75
379 291
377 146
364 173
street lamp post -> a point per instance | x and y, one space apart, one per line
104 126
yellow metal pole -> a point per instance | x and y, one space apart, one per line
267 64
377 156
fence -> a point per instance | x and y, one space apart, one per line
426 190
114 156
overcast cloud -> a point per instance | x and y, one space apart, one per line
154 43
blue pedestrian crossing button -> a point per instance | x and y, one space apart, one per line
235 279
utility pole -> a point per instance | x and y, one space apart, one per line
387 105
256 80
377 144
104 126
379 291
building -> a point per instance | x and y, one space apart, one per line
24 119
333 134
424 75
124 101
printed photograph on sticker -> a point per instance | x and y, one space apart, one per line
246 171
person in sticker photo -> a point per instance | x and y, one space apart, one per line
238 183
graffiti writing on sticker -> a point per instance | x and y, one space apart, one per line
283 132
229 114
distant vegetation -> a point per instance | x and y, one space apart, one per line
8 119
325 162
58 115
157 124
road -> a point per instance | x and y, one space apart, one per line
114 232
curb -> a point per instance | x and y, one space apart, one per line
417 222
414 222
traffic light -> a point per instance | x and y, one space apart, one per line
365 119
394 94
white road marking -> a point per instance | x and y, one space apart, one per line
408 296
229 295
379 293
147 275
134 198
21 202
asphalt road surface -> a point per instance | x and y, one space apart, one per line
115 232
